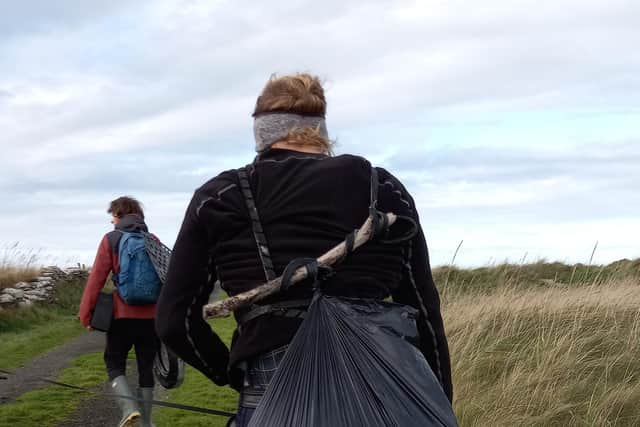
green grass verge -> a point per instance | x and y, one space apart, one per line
197 390
456 281
49 406
30 331
20 347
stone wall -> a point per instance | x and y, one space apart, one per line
41 288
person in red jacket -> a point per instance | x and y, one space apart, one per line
132 325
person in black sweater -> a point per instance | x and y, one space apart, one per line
308 201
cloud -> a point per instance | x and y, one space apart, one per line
505 114
377 60
28 17
601 177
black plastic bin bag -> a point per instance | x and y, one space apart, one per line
351 363
102 313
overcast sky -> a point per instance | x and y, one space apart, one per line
514 124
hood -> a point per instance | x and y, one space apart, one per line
131 224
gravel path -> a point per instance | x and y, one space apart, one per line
103 411
95 410
48 366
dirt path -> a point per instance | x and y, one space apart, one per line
102 411
95 410
48 366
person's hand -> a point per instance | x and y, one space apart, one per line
88 328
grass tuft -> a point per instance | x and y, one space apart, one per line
17 265
547 356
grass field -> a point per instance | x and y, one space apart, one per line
542 344
30 331
543 357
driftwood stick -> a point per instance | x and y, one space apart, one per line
227 306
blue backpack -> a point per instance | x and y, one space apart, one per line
137 282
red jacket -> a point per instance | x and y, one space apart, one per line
106 262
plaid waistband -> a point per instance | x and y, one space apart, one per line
258 375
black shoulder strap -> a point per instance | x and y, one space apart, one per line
373 210
374 188
113 237
256 225
406 227
380 221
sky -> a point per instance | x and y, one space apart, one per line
515 125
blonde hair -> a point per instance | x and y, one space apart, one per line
298 94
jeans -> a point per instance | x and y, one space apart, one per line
259 373
244 416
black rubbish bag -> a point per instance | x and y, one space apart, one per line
103 312
351 363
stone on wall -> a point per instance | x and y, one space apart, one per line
24 294
6 299
16 293
22 285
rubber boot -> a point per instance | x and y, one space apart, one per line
128 407
146 394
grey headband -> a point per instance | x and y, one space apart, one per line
269 128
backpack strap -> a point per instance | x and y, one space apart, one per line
374 187
406 226
293 308
256 225
113 237
256 310
379 220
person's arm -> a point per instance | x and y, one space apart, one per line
179 321
417 288
96 281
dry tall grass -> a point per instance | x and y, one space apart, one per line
563 356
17 265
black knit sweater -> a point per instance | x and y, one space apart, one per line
307 204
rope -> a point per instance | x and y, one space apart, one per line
137 399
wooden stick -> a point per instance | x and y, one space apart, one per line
227 306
